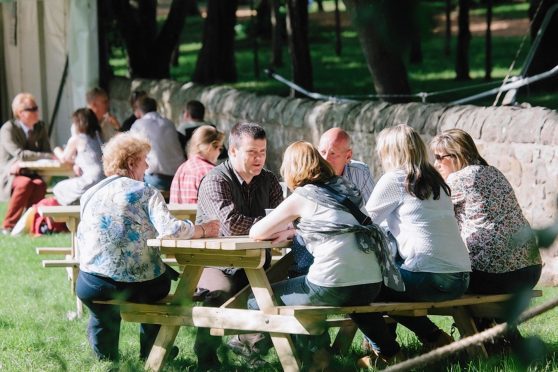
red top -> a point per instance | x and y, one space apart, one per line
186 181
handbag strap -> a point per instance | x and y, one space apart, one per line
362 218
100 185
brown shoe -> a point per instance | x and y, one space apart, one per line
442 339
379 361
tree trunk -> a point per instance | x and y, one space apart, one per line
488 42
149 51
277 32
337 29
103 24
416 48
297 30
546 56
447 39
216 62
463 41
382 52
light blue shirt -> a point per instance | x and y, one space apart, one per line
115 224
359 173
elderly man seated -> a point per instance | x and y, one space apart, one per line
23 138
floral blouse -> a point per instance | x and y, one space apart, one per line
492 224
116 222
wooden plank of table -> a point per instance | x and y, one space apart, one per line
48 168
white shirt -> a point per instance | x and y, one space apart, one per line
426 230
166 153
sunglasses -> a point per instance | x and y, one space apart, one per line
442 157
31 109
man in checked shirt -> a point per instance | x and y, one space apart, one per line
236 192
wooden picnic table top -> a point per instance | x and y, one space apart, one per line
48 167
231 243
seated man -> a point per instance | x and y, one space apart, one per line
335 147
236 192
166 155
130 120
23 138
98 101
192 119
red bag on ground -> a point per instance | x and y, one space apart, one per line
45 225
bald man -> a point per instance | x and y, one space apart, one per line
335 146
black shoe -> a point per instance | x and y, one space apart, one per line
173 353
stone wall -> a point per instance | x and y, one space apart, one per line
521 142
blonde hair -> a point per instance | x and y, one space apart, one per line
400 147
460 145
17 102
303 164
204 139
120 149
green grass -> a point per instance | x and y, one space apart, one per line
347 75
36 335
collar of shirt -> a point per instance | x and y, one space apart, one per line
240 179
24 127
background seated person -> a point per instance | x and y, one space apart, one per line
344 271
192 118
203 150
98 101
236 192
166 154
118 215
130 120
83 150
414 200
24 138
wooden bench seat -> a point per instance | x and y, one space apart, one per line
69 262
53 250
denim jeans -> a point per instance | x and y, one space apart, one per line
103 329
423 286
300 291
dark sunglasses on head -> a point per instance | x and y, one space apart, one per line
31 109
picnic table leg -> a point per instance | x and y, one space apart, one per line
167 334
282 342
467 327
344 339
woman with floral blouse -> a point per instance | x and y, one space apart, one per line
502 246
118 215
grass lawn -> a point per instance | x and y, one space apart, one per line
347 74
36 335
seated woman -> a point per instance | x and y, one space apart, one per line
414 200
83 150
118 215
203 150
348 258
502 246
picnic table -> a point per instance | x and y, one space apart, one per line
48 168
280 322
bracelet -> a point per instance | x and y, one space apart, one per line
203 231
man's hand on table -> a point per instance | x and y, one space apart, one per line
208 229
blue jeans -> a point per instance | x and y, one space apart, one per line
422 286
103 329
300 291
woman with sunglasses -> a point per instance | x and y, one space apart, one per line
502 246
23 138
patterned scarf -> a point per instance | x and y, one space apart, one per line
369 238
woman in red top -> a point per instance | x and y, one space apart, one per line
203 150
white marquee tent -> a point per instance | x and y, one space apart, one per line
48 48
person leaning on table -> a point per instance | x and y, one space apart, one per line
118 215
24 138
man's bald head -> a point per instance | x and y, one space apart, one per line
335 147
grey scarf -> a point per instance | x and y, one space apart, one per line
369 238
